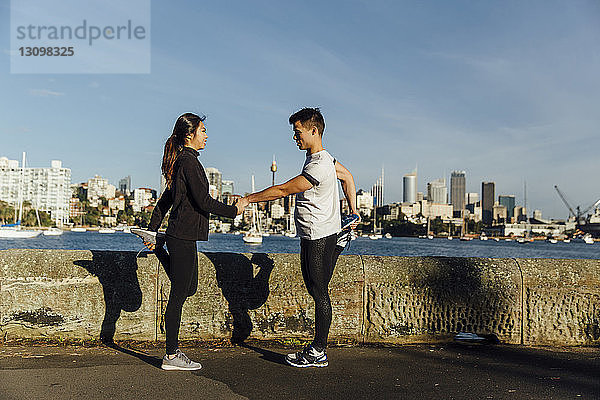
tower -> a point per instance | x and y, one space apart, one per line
409 194
457 192
273 169
487 202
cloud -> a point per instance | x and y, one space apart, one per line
45 93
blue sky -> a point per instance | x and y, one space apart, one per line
507 91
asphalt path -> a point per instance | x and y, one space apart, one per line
441 371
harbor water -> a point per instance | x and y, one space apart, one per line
410 247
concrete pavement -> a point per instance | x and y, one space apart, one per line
441 371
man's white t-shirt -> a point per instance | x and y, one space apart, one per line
317 213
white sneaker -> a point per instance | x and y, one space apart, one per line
147 236
309 357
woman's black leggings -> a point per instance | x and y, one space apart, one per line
317 260
181 266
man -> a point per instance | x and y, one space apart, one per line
317 217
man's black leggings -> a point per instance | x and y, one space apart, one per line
317 260
181 265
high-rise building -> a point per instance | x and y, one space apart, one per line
364 202
471 198
99 187
437 192
520 213
142 197
226 187
125 185
409 193
487 202
458 185
48 189
215 178
508 201
499 213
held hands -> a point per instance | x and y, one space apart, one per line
241 204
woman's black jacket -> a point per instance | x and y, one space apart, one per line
188 200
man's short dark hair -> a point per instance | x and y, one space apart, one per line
309 117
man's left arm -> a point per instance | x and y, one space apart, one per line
347 180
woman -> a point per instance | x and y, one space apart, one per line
187 197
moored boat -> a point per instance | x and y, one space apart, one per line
53 232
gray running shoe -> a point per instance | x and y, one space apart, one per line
180 363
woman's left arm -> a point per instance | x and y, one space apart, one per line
198 190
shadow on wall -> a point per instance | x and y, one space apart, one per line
242 288
117 272
459 290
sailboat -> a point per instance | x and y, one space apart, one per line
53 232
376 231
14 231
253 236
291 232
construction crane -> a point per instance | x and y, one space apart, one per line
579 215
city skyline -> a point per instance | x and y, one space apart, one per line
494 89
214 175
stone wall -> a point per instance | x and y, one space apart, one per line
64 294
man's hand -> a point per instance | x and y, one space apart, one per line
358 221
241 205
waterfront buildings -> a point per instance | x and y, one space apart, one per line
125 185
215 178
142 198
523 229
226 187
471 198
75 209
416 212
48 189
500 213
364 202
457 192
487 202
508 201
437 192
117 204
409 184
520 213
277 211
99 187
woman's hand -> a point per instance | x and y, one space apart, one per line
241 205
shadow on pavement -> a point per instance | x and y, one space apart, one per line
154 361
267 354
